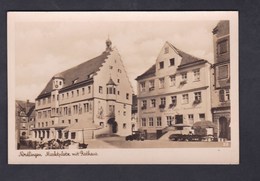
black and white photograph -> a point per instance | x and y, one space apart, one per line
123 87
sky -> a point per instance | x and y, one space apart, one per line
45 46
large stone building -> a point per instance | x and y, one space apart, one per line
25 119
221 79
174 92
86 101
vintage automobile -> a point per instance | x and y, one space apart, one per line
136 135
192 137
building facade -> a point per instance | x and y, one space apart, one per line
174 92
25 119
221 79
86 101
134 118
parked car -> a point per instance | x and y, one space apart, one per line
191 137
136 135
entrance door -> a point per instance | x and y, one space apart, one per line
223 127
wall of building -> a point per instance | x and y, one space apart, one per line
177 89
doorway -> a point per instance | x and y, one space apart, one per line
223 128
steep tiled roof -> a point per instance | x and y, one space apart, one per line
148 73
187 59
78 73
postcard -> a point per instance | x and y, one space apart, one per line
123 87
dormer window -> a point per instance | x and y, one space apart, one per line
90 75
75 81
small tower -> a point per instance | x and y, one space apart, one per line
108 45
57 82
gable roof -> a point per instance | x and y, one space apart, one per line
78 73
148 73
186 60
26 107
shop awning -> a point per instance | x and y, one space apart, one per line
82 126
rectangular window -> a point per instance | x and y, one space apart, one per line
172 62
191 118
172 80
153 103
174 99
184 76
150 121
142 86
86 107
161 65
83 91
89 89
127 96
196 74
161 83
163 103
197 96
185 98
223 72
222 47
159 121
52 122
144 122
72 93
202 117
227 95
169 120
69 121
42 124
100 89
67 95
144 104
73 135
151 85
46 124
76 120
77 92
62 96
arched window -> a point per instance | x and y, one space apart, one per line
221 95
